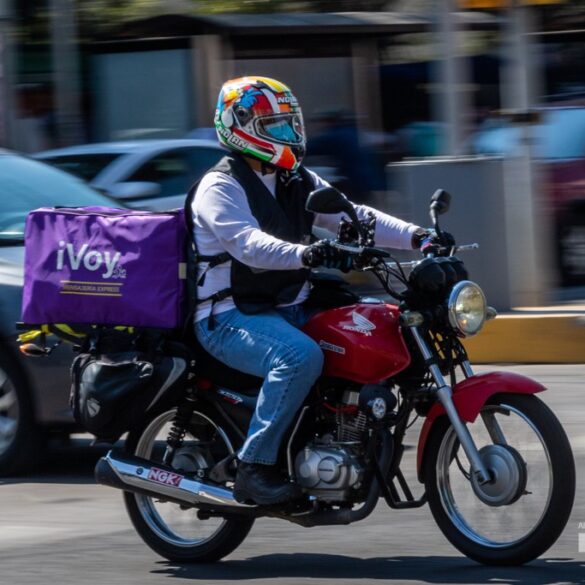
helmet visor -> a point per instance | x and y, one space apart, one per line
284 128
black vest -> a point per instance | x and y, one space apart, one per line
284 217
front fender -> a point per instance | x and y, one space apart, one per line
469 396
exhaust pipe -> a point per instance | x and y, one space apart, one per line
137 475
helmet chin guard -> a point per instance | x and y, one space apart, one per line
260 117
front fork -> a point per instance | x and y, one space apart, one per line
445 396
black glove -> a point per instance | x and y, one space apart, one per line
322 253
427 240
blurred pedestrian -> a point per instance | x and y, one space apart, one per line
34 124
340 141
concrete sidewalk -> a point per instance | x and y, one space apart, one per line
533 335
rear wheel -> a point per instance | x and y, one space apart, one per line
522 511
175 532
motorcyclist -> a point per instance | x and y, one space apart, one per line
253 239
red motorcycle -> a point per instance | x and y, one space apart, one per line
495 463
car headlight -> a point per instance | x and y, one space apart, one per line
467 308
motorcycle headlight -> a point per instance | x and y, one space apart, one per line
467 308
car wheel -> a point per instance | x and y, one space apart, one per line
19 437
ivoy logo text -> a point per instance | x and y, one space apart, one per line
92 260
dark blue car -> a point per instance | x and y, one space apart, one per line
34 392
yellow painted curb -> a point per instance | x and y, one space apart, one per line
541 339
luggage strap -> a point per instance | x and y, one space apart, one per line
220 295
212 261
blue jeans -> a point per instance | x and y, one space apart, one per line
271 346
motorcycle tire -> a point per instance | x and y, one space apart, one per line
471 538
151 525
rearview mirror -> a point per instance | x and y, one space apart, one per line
329 200
440 202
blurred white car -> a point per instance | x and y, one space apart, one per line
145 174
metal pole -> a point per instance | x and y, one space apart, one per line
4 140
527 229
366 84
66 71
452 81
7 102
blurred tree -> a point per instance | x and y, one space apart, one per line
218 6
99 16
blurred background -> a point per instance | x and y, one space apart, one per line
485 98
110 102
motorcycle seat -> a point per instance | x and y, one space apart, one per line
223 376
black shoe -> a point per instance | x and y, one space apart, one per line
262 485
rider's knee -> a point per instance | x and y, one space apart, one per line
301 355
311 358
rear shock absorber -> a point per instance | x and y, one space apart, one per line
178 429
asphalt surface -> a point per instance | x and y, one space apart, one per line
58 527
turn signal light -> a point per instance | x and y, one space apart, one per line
33 350
490 313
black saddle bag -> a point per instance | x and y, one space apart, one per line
116 383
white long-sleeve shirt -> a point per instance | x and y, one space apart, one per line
223 222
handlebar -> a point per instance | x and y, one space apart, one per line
466 247
376 252
360 250
462 248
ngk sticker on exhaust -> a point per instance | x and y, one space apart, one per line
164 477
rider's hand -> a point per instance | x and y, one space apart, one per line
428 240
322 253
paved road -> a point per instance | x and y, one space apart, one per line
59 528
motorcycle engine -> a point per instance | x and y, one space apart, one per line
330 467
329 471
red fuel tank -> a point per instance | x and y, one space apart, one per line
361 342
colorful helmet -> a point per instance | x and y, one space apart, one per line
261 117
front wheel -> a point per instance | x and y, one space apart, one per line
175 532
522 510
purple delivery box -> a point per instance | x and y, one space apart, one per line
95 265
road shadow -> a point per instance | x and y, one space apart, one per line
427 569
70 462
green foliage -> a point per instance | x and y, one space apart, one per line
221 6
96 17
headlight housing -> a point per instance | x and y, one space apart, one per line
467 308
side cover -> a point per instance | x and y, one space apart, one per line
361 342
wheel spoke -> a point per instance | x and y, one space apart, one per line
178 526
493 521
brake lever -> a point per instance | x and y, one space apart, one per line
347 248
465 248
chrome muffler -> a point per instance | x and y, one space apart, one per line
137 475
